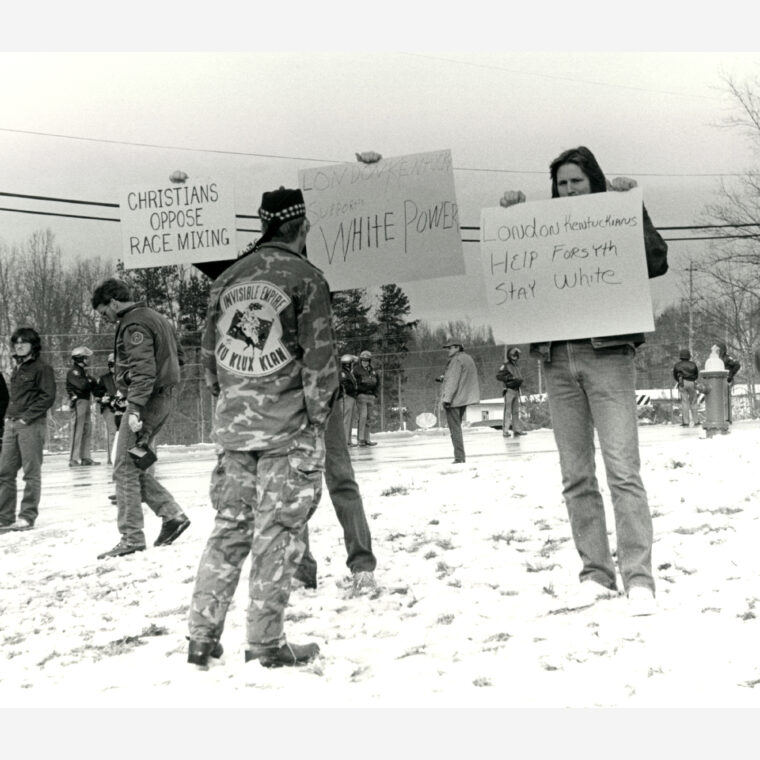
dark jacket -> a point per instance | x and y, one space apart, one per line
4 398
731 364
146 354
105 389
32 391
348 384
79 384
367 380
685 370
656 250
510 374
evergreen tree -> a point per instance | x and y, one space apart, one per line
354 329
395 332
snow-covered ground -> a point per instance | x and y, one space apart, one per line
473 563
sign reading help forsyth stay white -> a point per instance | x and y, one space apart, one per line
566 268
177 223
396 220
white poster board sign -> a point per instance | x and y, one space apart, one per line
168 224
566 268
396 220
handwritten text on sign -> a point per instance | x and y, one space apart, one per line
566 268
392 221
177 224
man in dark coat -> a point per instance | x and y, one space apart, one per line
685 373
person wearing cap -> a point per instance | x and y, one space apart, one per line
686 373
460 389
368 385
79 386
147 370
348 390
511 375
269 355
32 394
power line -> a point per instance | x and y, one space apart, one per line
334 161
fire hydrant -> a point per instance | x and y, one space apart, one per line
716 396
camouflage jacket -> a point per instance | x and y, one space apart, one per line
146 354
268 339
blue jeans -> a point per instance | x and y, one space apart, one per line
22 448
594 388
347 501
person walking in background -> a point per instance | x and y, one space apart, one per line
591 385
511 375
732 366
79 386
368 385
147 371
686 373
269 355
32 393
460 389
348 391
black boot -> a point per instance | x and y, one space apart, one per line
198 652
286 655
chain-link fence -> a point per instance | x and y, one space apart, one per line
407 389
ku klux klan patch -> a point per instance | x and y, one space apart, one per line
249 329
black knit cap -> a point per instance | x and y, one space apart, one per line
277 207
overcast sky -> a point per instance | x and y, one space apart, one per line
258 118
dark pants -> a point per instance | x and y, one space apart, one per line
22 448
454 415
347 501
81 430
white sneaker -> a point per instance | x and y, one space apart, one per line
641 601
585 594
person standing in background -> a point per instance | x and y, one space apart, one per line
32 394
511 375
460 389
686 373
79 386
348 390
368 385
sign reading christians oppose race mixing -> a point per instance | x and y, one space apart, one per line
396 220
177 223
566 268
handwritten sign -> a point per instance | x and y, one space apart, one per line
177 223
566 268
396 220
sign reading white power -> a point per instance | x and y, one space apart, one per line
178 223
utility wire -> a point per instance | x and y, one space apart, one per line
335 161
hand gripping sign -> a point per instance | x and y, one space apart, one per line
566 268
396 220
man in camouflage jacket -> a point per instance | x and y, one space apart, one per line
268 352
147 364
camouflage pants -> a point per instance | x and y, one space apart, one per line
262 499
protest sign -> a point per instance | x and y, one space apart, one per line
566 268
177 223
396 220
